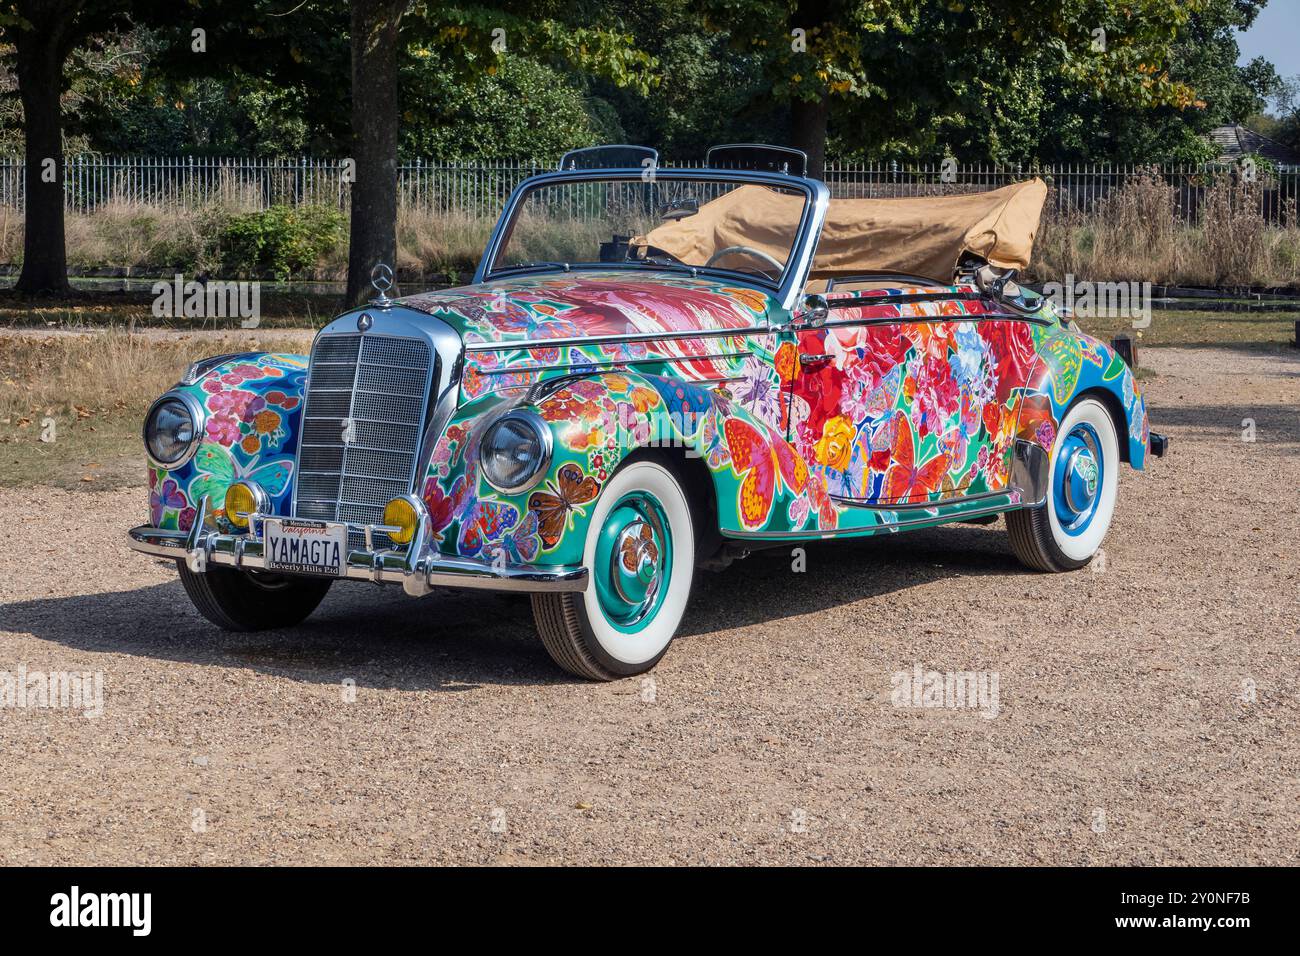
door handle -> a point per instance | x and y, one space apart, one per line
812 361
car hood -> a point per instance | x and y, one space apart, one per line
593 304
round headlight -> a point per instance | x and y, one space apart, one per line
515 450
171 431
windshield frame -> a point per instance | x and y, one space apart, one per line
816 200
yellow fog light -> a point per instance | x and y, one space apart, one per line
402 514
244 499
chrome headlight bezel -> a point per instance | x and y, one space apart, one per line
196 415
540 431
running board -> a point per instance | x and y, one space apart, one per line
1030 476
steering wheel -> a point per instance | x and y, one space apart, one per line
749 250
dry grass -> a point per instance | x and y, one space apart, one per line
1135 235
89 392
437 244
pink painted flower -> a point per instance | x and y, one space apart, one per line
223 430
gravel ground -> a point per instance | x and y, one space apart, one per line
1126 732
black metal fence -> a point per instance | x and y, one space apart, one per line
479 188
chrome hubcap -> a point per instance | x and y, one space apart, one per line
1078 479
636 562
633 561
1081 479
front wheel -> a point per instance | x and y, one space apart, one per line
640 550
252 600
1064 532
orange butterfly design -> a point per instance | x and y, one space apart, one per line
570 490
905 482
761 458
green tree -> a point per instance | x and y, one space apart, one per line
40 35
889 58
475 39
524 109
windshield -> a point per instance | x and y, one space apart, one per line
670 223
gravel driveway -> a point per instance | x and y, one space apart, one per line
1146 712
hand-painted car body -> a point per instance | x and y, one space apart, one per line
791 419
912 404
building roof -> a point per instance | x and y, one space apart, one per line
1236 142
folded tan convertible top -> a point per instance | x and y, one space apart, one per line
926 236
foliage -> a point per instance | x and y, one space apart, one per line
278 242
524 108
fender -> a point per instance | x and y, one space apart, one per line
597 420
1073 363
251 408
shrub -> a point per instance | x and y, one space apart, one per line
278 242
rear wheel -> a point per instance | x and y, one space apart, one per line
252 600
640 550
1064 532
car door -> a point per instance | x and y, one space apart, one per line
892 401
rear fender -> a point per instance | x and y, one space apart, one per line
1072 364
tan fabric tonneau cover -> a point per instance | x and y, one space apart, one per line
925 236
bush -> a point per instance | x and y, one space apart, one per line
278 242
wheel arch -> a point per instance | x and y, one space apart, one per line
701 490
1110 401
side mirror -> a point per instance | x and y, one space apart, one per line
814 310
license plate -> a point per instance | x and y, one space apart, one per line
305 547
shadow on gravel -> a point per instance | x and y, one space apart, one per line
1276 426
458 640
766 587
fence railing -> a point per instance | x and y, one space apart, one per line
479 188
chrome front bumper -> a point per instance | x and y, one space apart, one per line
198 548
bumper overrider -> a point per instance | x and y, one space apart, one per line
418 573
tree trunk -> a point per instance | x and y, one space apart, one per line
373 236
808 132
38 57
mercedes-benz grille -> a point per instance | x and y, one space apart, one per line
363 421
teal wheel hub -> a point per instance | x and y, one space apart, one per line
634 558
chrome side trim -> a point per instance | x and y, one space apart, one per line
739 331
916 505
910 523
928 319
616 363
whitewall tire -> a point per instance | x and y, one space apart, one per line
1064 532
640 551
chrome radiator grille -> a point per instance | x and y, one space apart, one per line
380 384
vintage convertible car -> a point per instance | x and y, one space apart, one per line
655 370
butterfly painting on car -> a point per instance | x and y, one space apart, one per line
763 460
216 469
559 500
907 482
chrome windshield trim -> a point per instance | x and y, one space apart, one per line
616 363
801 250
